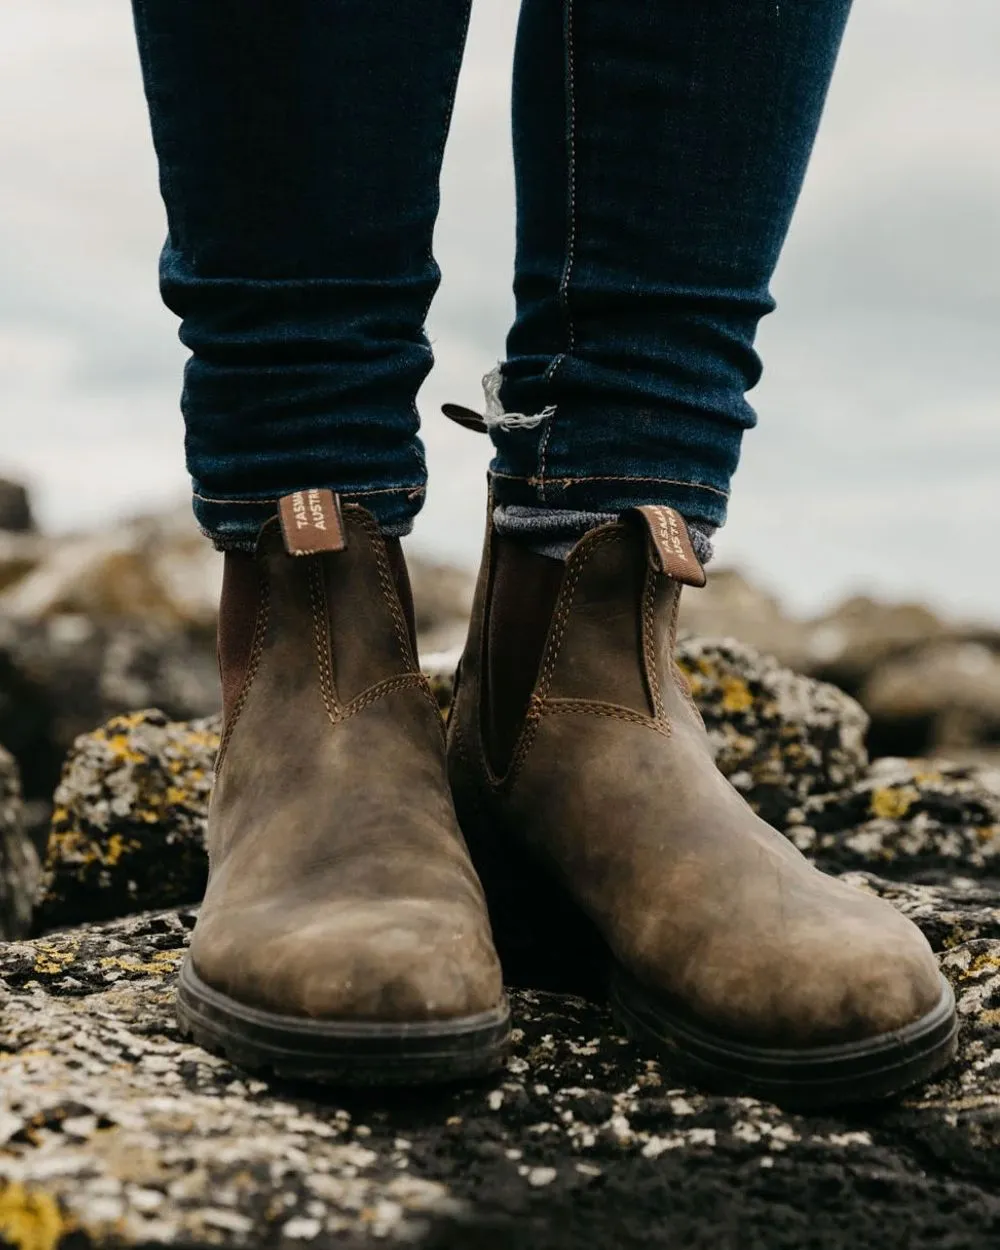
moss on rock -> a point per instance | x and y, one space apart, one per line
128 826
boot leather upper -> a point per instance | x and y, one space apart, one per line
340 885
611 785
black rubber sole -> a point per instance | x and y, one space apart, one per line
800 1079
333 1052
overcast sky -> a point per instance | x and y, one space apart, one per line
876 464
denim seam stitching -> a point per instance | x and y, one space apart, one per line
431 261
573 481
571 231
381 490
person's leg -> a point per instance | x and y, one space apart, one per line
343 934
300 146
660 150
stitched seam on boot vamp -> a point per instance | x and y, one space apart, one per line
680 679
564 607
389 590
321 634
256 651
415 681
649 646
595 707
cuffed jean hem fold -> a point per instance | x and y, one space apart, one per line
693 500
234 524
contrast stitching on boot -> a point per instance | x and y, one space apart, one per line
590 707
399 621
649 646
680 680
374 693
566 598
256 651
392 599
537 703
321 634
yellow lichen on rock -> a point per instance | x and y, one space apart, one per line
30 1218
981 963
161 964
736 696
893 802
52 958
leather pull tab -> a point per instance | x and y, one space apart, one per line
670 549
311 522
465 417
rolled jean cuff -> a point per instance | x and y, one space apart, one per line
234 524
609 494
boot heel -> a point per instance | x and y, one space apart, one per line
544 940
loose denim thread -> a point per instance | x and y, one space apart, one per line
495 416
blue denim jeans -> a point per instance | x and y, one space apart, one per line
659 152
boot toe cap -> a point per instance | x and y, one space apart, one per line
399 962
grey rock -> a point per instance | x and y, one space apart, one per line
442 598
65 674
19 870
906 818
941 696
117 1127
848 643
155 569
733 606
930 686
15 507
129 817
778 736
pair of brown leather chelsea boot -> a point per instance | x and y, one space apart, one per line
345 935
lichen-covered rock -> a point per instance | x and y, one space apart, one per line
18 858
61 676
956 910
114 1130
15 507
942 695
731 605
779 737
128 825
907 818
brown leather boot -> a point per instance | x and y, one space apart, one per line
585 783
344 935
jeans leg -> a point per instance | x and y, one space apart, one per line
660 150
300 146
